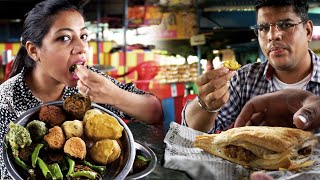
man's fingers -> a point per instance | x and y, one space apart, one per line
208 76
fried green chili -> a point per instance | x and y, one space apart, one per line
71 166
35 154
44 168
87 174
100 169
21 163
55 171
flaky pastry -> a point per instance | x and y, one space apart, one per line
260 147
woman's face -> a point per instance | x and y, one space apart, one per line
65 45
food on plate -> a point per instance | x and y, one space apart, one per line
55 138
42 150
52 114
73 128
90 113
75 147
231 64
103 126
77 105
37 129
18 137
140 163
260 147
105 151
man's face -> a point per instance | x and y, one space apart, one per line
285 46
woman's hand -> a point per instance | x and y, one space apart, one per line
99 88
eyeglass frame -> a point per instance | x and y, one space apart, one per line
256 28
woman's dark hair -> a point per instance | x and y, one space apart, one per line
37 23
300 7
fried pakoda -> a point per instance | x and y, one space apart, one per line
103 126
72 128
75 147
77 105
105 151
52 114
55 138
90 113
231 64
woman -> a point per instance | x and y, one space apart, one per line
54 39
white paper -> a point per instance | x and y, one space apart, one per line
181 155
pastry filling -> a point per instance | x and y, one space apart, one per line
305 151
239 153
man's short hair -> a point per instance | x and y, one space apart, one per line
300 7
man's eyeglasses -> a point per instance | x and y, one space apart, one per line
285 26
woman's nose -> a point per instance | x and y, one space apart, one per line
80 47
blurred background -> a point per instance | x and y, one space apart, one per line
160 45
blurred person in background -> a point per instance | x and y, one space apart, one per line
54 39
284 32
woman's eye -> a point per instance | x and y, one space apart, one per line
64 38
84 36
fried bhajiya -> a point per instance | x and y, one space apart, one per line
72 128
52 114
103 126
75 147
89 114
37 129
55 138
77 105
105 151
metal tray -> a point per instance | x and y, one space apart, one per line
148 153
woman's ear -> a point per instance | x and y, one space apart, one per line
32 51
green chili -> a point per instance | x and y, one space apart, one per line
71 166
100 169
55 171
44 168
35 154
87 174
21 163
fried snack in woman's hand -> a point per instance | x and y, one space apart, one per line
231 64
261 146
103 126
77 105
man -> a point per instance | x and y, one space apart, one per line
284 32
294 106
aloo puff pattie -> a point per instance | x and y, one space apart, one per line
77 105
103 126
231 64
105 151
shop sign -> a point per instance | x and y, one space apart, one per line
197 40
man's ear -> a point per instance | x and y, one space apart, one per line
32 50
309 28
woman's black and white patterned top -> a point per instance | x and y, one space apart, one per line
16 98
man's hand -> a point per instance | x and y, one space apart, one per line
212 87
286 108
